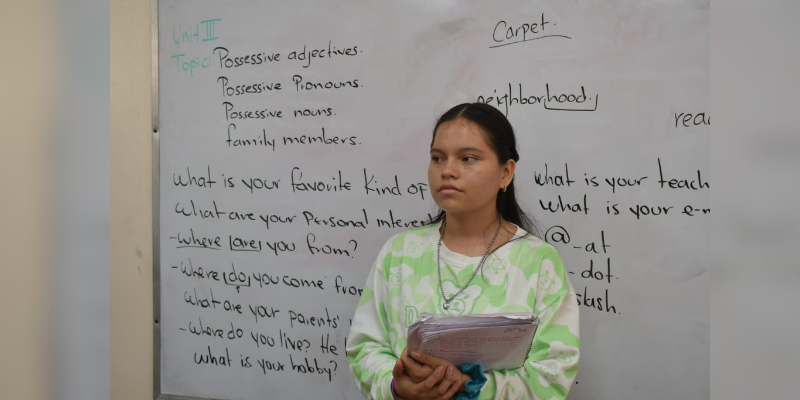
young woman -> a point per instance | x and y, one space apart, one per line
477 257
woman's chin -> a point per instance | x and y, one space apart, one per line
452 209
448 205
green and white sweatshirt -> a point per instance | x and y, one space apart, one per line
524 275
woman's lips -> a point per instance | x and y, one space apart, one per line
449 190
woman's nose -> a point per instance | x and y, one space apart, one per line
450 169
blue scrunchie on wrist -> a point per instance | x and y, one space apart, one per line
473 386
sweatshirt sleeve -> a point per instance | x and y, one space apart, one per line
552 362
369 353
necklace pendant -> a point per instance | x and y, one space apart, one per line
446 306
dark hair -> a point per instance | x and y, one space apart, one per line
499 135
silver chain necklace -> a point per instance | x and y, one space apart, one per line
439 269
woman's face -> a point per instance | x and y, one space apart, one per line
464 173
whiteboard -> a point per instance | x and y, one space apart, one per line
293 142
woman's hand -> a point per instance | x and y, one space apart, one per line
448 383
420 367
417 371
430 362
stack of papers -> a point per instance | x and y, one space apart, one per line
495 341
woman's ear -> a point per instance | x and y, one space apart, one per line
508 171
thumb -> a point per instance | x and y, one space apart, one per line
421 357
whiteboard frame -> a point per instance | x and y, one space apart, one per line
156 209
156 188
156 177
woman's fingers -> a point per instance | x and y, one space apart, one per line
451 391
448 381
433 377
397 371
432 380
418 372
409 365
429 360
408 360
421 357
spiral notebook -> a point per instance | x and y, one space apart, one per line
495 341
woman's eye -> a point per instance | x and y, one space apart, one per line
436 159
469 159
